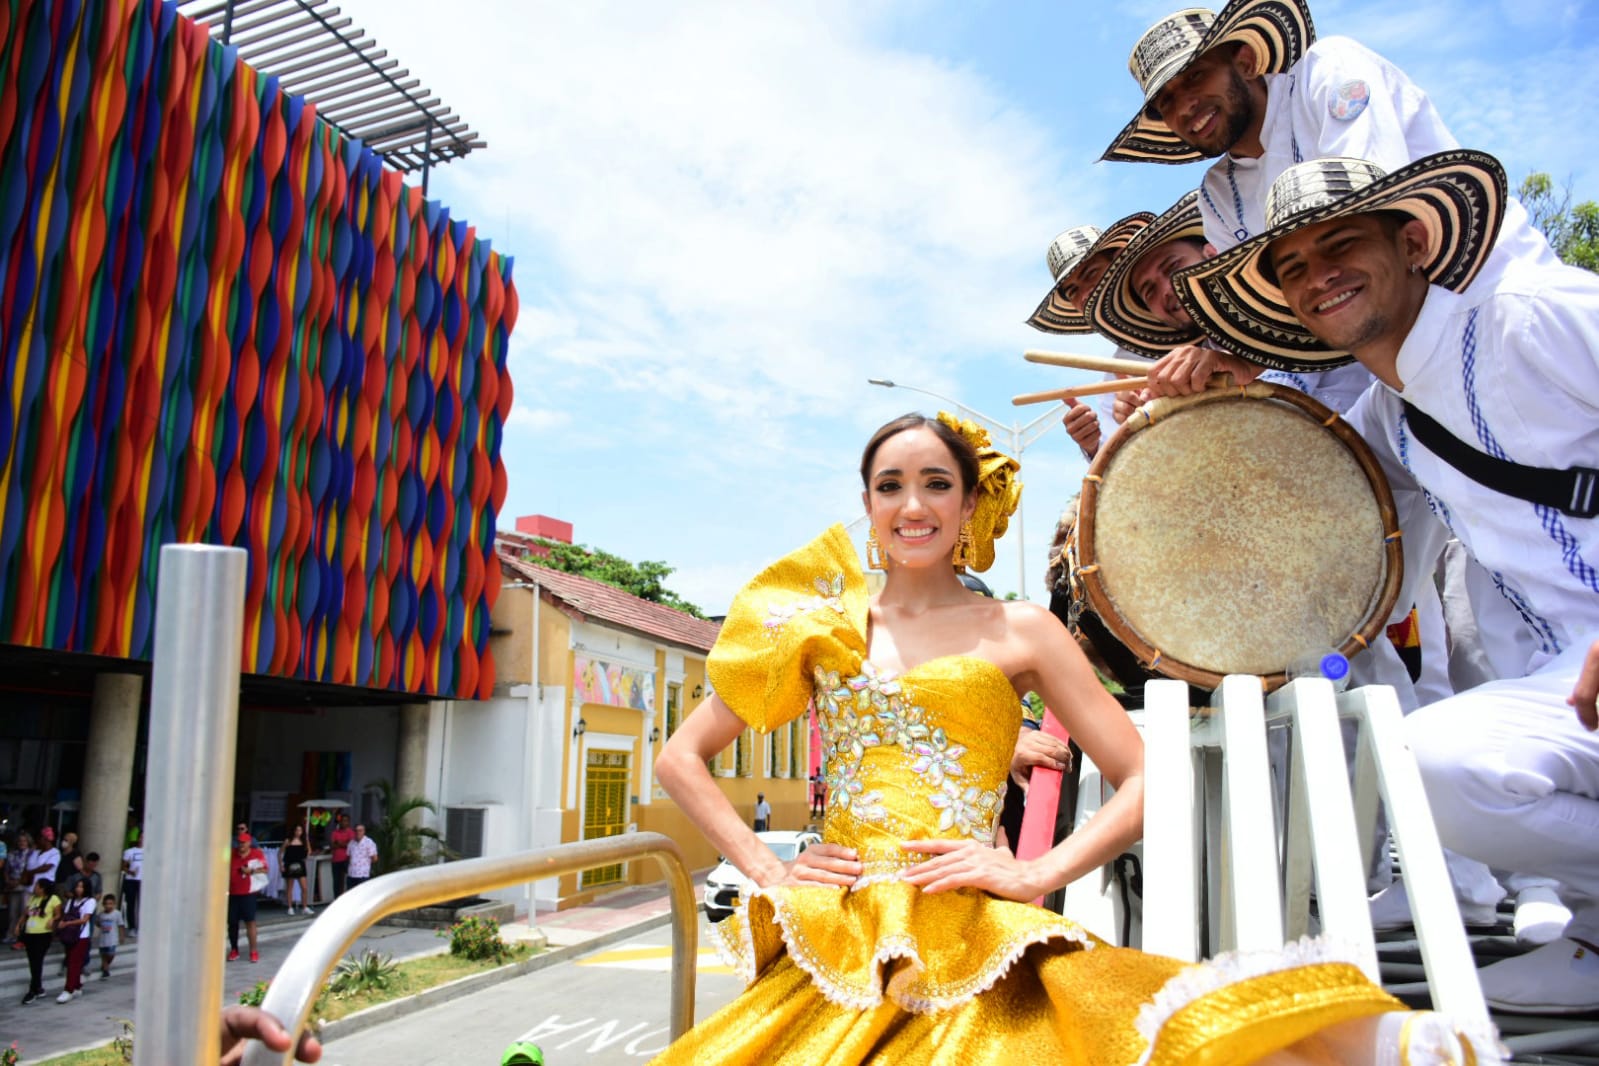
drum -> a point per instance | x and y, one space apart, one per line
1234 531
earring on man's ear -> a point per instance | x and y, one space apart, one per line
1414 267
875 559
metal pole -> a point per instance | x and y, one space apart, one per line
295 986
194 717
1021 521
427 156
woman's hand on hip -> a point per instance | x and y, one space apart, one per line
823 864
969 864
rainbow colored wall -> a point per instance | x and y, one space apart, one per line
221 321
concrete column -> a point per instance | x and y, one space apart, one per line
411 755
108 772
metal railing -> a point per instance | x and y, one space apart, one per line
300 978
194 708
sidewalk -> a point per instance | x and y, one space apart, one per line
624 909
45 1028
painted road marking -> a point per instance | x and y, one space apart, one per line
657 959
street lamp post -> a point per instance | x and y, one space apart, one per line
1020 437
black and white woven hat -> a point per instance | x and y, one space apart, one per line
1459 196
1278 30
1065 254
1116 312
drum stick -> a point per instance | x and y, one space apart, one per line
1099 388
1106 363
1096 388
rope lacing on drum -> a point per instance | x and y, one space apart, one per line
1358 639
1095 478
1091 568
1331 418
1391 537
1153 663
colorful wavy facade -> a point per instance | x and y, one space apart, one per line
220 321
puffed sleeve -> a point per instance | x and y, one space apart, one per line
804 611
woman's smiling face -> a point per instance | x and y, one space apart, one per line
915 498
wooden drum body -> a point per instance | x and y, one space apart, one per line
1233 531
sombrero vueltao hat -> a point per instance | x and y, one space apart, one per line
1459 196
1278 30
1116 312
1065 254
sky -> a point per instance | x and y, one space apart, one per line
725 217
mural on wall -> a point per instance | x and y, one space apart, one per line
614 686
220 321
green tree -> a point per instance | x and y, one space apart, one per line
646 580
1572 229
401 843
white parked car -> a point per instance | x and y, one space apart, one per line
723 886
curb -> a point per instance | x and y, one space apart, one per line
465 986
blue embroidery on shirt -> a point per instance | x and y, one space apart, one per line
1242 232
1548 516
1283 377
1293 137
1541 629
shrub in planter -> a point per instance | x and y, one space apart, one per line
475 937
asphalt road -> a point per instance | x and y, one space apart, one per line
606 1007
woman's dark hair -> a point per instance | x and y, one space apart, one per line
48 885
965 455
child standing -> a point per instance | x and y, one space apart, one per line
110 931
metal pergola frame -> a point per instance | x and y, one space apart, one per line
313 51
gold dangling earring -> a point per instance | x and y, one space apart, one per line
875 559
963 546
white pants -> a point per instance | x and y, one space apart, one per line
1513 780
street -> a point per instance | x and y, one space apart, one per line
608 1007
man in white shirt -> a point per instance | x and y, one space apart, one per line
1255 90
132 881
1078 259
44 860
1498 372
763 813
363 853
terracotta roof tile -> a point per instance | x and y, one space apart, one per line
607 603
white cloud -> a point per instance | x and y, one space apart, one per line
537 419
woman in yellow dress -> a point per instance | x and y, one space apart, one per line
906 936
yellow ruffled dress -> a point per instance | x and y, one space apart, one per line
885 973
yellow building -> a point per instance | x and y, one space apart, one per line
591 682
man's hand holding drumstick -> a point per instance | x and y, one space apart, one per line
1181 372
1187 369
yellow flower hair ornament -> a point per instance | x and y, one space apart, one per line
998 490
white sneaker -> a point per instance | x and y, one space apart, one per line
1390 909
309 910
1559 978
64 997
1540 916
291 912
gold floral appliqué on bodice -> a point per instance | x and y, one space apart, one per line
892 767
